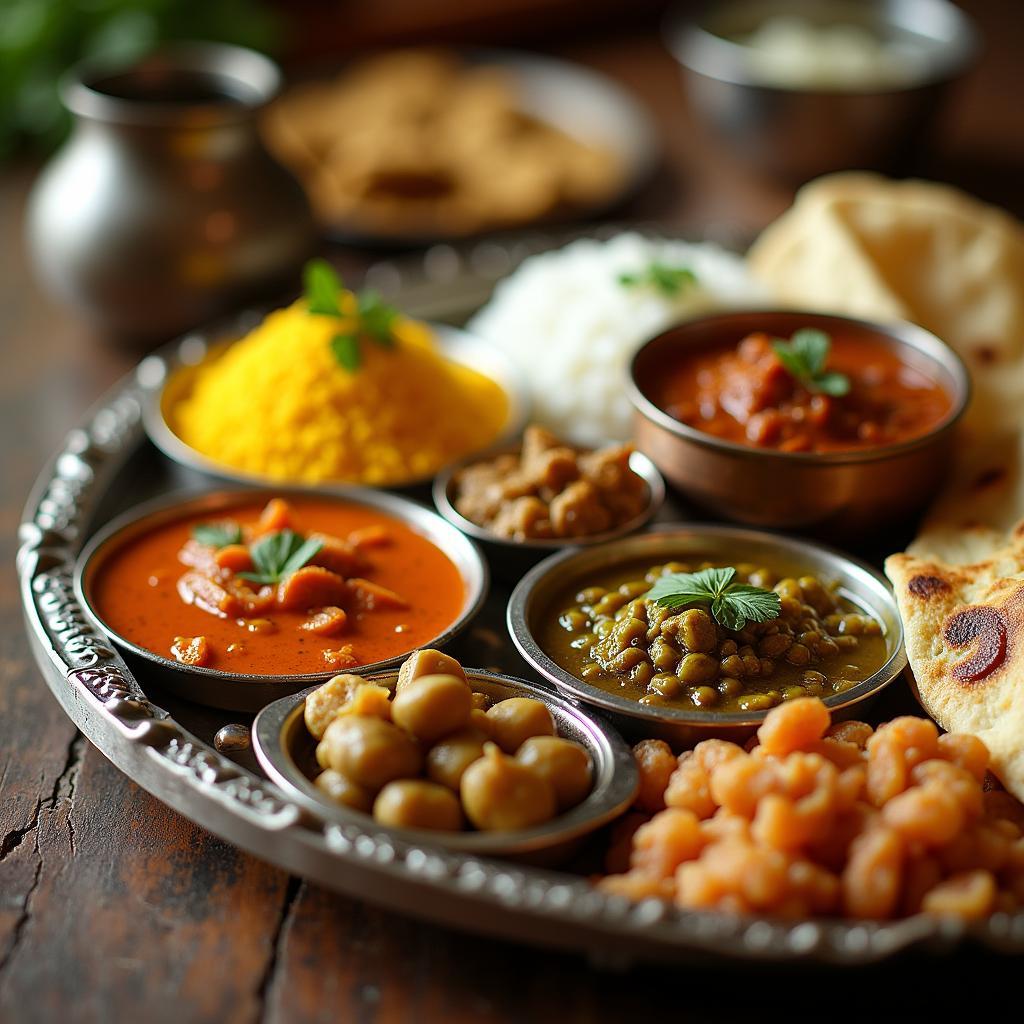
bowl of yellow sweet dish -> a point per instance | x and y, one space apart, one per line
338 389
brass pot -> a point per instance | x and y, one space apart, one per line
163 209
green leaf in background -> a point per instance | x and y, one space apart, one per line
322 288
41 39
218 535
662 277
804 357
346 351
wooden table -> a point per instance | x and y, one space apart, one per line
114 907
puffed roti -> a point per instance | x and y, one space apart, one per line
964 634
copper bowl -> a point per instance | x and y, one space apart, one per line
834 494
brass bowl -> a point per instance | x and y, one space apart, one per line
286 752
508 558
682 727
168 374
835 494
797 133
247 691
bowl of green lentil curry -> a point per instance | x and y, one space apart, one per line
686 632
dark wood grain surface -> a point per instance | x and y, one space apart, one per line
113 907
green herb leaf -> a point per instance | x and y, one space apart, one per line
346 351
322 288
804 357
278 554
663 277
218 535
731 604
834 384
377 318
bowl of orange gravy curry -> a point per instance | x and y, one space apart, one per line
237 598
803 420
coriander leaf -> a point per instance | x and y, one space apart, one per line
377 318
663 277
322 288
752 604
804 357
834 384
346 351
813 347
278 554
218 535
298 558
731 604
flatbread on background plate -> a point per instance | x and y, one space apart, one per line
883 250
964 631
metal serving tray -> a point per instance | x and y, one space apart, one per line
168 746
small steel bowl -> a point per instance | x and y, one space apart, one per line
166 375
857 582
798 133
834 494
508 558
246 691
286 751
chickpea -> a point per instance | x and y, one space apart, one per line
415 803
449 758
481 701
732 665
369 751
432 706
566 766
500 794
573 620
664 654
478 720
591 595
427 662
697 669
798 654
703 696
515 720
729 687
634 589
697 631
816 595
667 684
324 703
343 790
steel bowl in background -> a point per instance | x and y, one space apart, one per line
286 752
509 558
797 133
833 494
164 209
857 582
167 375
246 691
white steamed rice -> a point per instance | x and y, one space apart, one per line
572 327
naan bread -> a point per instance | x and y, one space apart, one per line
964 631
863 245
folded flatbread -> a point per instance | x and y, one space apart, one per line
964 629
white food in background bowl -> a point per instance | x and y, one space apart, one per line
793 53
573 327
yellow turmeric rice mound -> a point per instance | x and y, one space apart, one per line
277 404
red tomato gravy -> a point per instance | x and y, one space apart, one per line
388 589
742 393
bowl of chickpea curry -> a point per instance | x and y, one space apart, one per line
690 632
472 760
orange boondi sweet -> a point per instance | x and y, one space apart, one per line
820 820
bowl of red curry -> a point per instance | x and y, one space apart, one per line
235 598
804 420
